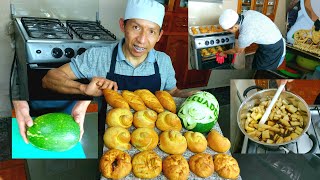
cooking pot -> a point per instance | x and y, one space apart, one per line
264 94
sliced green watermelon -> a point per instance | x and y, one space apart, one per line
54 132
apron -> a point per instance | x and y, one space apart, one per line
40 107
268 56
131 83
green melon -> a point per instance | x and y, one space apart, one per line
199 112
54 132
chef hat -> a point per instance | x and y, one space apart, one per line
228 18
145 9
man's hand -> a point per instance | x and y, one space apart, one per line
97 84
79 113
23 117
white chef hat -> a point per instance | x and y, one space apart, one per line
228 18
145 9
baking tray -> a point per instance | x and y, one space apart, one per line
163 155
204 34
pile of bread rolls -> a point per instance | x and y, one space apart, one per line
156 114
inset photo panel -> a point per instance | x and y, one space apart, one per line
275 116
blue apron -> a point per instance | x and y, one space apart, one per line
39 107
131 83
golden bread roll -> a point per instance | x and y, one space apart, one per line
144 139
226 166
146 118
175 167
150 100
114 99
119 117
166 100
196 141
172 142
133 100
202 165
217 142
115 164
117 138
146 164
168 121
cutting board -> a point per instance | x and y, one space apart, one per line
21 150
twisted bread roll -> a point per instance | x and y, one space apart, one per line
144 139
150 100
115 164
226 166
175 167
119 117
172 142
196 141
117 138
133 100
217 142
168 121
202 165
115 99
146 118
146 164
166 100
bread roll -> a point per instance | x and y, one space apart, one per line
133 100
172 142
175 167
217 142
146 118
226 166
119 117
150 100
166 100
168 121
114 99
196 141
144 139
202 165
117 138
146 164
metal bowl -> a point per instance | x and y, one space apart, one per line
263 95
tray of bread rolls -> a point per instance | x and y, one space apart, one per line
205 30
144 139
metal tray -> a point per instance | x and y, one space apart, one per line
203 34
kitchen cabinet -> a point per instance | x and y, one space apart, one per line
13 169
174 42
266 7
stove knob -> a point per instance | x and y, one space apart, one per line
206 43
56 52
81 50
217 41
222 40
212 42
227 39
69 52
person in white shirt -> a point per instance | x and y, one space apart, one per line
255 27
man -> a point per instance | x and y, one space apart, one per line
255 27
131 64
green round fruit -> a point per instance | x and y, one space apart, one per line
54 132
199 112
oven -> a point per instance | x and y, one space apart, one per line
46 43
205 42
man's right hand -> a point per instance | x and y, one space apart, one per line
23 117
96 85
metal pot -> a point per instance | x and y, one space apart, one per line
262 95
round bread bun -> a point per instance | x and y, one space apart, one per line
121 117
115 164
172 142
196 141
202 165
146 164
217 142
226 166
117 138
175 167
146 118
168 121
144 139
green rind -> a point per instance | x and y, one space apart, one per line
54 132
